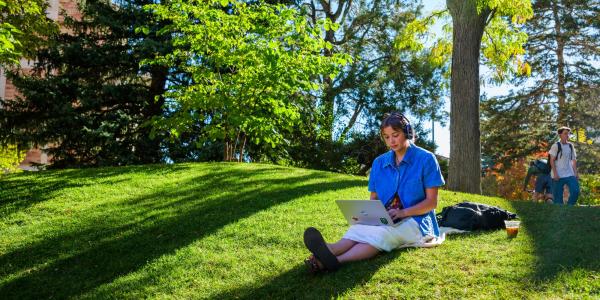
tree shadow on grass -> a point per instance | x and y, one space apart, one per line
23 190
75 262
297 283
565 238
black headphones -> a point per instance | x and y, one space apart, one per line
407 129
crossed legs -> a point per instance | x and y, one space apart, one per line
348 250
330 256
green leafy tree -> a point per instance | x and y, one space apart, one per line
562 90
22 24
483 32
511 131
585 115
502 47
384 75
251 67
88 98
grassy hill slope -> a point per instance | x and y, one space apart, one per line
235 231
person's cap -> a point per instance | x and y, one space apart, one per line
562 128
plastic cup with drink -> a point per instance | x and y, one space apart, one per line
512 228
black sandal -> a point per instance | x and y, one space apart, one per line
312 265
316 244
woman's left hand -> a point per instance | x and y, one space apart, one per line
397 214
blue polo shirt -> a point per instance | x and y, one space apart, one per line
418 170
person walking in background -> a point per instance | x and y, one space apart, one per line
543 182
563 161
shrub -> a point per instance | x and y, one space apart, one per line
507 184
10 158
590 190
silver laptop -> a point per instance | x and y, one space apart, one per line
367 212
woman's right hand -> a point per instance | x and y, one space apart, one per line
397 214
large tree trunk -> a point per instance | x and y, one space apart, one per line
464 172
560 48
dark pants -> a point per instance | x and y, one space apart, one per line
558 187
543 184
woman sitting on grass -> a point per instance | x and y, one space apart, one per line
406 180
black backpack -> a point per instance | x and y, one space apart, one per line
474 216
559 152
542 165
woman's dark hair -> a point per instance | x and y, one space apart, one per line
398 122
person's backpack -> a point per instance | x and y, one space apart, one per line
559 152
474 216
542 165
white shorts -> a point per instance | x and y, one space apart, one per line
387 238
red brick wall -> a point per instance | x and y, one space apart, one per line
34 155
70 7
10 91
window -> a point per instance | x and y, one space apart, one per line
52 11
2 83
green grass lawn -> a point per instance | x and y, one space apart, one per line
235 231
